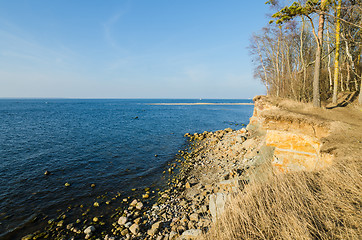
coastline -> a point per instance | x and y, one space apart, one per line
214 169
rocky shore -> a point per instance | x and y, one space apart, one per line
214 165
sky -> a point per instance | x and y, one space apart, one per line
128 48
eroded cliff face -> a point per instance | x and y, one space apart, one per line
297 139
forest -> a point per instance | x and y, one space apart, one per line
310 51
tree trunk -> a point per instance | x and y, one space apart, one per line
317 65
336 61
360 94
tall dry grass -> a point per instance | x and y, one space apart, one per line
301 205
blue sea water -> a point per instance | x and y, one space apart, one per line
110 143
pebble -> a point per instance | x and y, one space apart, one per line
122 220
139 205
134 228
89 230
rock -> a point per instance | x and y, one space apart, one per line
191 234
154 229
27 237
187 185
217 205
124 232
139 205
47 173
70 225
137 220
135 228
128 224
194 217
122 220
89 230
173 235
145 196
109 237
231 185
228 130
133 203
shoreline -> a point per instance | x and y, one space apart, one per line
218 166
173 213
182 209
191 104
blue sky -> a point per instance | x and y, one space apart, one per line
128 49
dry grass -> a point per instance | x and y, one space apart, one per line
301 205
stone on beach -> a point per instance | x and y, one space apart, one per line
122 220
154 229
191 234
134 228
217 205
89 230
139 205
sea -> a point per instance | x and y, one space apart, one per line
118 145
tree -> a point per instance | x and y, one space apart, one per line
310 7
336 60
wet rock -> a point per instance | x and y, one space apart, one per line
139 205
124 232
60 223
27 237
135 228
133 203
109 237
122 220
128 224
89 230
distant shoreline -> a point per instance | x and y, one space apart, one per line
200 104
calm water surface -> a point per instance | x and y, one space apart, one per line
111 143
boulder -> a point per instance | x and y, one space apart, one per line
154 229
135 228
217 205
191 234
89 230
122 220
139 205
